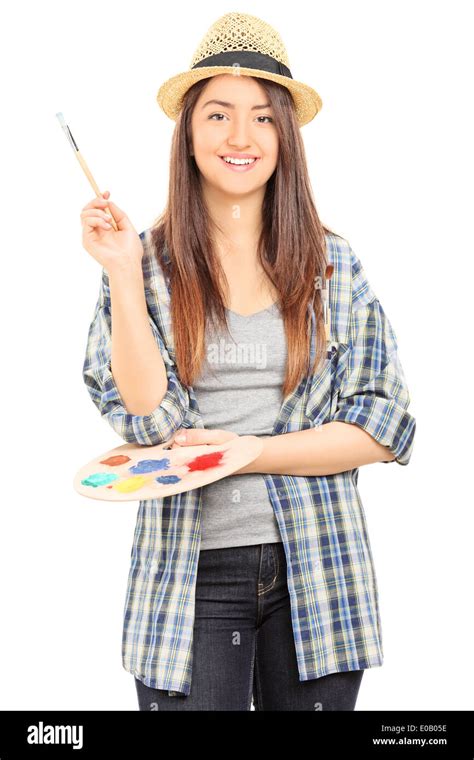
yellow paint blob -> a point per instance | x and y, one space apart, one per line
131 484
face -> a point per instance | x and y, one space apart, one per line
241 124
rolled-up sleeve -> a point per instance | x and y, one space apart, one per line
147 430
373 392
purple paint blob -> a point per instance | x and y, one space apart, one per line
99 479
149 465
168 479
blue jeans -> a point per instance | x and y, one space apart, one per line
243 644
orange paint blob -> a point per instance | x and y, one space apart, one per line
116 460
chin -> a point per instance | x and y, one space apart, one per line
235 186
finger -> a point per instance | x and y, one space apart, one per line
96 212
118 214
172 440
97 202
197 436
170 444
173 443
95 221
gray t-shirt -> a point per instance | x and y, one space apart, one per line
240 389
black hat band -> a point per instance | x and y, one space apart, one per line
250 59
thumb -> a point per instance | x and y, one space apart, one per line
192 436
199 436
122 220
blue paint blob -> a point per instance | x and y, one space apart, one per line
99 479
149 465
168 479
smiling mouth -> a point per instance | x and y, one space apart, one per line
244 166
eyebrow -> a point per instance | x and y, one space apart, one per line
224 104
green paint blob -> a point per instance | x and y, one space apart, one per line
99 479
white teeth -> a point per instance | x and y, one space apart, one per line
239 160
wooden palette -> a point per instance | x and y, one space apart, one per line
132 472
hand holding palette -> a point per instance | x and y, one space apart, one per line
131 472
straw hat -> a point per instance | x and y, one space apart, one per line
238 43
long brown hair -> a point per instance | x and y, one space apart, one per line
291 248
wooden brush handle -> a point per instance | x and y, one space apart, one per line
95 187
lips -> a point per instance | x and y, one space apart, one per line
238 155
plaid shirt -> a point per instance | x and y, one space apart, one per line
331 576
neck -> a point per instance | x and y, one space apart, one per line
237 220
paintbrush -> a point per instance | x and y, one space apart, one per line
325 297
85 168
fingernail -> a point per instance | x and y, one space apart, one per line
181 437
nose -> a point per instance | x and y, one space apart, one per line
238 134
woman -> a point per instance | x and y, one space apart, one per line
261 585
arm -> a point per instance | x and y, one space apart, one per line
374 394
137 365
372 404
324 450
138 369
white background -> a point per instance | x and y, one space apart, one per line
391 164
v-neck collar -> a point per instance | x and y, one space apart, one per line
255 314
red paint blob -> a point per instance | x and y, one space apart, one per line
205 461
116 460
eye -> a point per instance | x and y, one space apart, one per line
258 117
